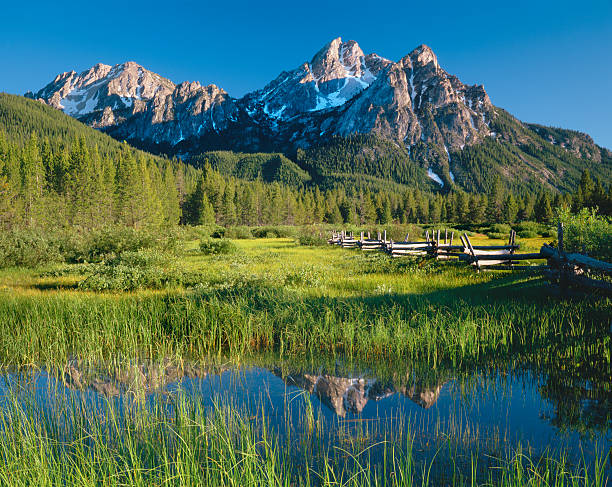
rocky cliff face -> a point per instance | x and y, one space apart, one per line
341 91
428 114
137 104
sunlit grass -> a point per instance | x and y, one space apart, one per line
273 295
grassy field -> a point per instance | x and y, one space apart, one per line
273 296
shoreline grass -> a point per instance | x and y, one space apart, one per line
298 304
188 444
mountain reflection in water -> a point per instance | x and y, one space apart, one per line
545 407
343 394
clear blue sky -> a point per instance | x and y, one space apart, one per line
547 62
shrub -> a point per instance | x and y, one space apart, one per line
217 246
137 270
311 237
27 248
238 233
311 240
108 242
500 236
280 231
528 234
500 228
589 232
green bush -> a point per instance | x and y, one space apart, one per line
311 236
150 269
500 228
27 248
102 244
238 233
279 231
587 232
527 234
311 240
217 246
500 236
528 226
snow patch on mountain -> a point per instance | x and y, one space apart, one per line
435 177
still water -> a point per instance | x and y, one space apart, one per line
489 411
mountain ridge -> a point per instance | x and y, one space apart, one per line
340 92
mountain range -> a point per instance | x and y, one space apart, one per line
342 114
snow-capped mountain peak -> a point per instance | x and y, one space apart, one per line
336 73
101 86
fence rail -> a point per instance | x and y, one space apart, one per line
564 269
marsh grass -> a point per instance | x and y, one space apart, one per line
177 440
301 305
274 295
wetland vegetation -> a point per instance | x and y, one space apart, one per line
187 359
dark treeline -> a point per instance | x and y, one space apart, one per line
228 201
73 184
56 172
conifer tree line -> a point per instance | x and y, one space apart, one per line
46 185
229 201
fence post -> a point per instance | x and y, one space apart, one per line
563 267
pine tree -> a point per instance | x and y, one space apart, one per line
510 209
543 209
384 214
170 198
494 205
32 180
206 214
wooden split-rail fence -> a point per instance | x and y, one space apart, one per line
561 268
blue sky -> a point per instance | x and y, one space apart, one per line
547 62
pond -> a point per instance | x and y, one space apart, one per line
446 418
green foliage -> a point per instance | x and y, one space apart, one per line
311 237
259 166
217 246
130 271
528 234
108 242
281 231
27 248
587 232
501 228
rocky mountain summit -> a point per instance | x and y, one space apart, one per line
341 91
426 113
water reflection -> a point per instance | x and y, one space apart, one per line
346 394
502 405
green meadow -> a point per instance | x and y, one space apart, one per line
270 301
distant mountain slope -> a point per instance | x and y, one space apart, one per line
440 127
20 117
266 167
